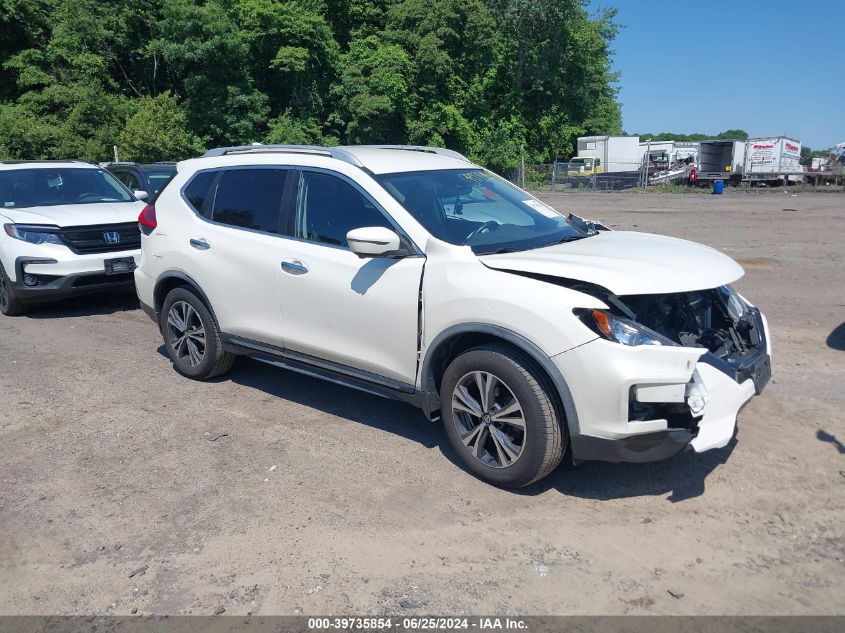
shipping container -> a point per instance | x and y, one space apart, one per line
772 159
616 153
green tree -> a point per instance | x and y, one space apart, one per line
739 135
371 94
287 128
157 130
501 80
727 135
205 60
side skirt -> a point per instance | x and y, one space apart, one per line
324 369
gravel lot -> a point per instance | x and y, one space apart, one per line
125 486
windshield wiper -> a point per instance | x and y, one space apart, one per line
568 238
499 251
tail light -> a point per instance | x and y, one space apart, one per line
147 219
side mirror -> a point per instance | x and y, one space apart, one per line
141 195
373 241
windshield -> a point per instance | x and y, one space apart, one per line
479 209
47 186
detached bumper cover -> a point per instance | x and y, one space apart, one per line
727 397
648 447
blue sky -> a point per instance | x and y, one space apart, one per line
766 66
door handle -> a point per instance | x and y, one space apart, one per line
200 244
294 266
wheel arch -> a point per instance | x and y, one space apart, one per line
458 338
174 279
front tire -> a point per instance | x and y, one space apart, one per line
10 303
191 336
500 417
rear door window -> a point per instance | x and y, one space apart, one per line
250 198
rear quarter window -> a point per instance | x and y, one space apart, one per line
199 192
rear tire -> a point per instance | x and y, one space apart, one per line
191 336
10 303
511 435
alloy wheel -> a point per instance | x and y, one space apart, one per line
489 419
186 333
4 291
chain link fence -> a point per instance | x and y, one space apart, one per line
563 177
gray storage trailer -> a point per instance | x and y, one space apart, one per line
721 160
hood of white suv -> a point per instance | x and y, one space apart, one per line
627 263
76 214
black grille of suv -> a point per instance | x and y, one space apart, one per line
102 238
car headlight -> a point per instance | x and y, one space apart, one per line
734 304
619 329
33 234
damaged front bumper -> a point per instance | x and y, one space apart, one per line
646 403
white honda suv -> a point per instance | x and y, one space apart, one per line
412 273
68 228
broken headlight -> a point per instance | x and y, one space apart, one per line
734 304
619 329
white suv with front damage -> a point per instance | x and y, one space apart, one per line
68 228
412 273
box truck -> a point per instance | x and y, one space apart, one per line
669 152
772 159
581 166
721 160
616 153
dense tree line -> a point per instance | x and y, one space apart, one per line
501 80
727 135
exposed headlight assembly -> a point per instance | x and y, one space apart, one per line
618 329
734 304
34 234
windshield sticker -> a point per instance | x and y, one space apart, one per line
542 208
54 182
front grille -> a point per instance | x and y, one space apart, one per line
92 239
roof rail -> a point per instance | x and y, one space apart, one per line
424 148
39 160
319 150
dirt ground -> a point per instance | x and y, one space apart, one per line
124 486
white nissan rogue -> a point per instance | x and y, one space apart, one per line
68 228
412 273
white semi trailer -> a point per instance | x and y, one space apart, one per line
772 159
616 153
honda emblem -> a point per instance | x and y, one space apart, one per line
111 237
